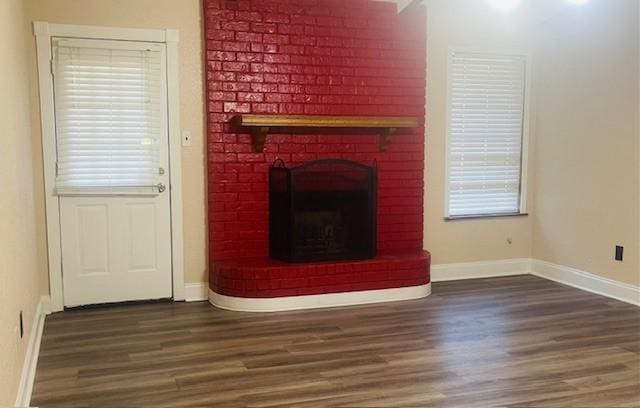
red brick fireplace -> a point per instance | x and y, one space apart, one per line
312 57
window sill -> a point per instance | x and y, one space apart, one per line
479 216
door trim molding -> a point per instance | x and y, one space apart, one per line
43 32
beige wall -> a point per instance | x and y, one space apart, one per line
587 163
450 23
184 15
465 23
19 274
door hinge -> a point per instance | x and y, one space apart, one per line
56 169
52 66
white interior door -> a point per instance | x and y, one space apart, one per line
112 170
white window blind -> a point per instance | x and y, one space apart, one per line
109 114
485 140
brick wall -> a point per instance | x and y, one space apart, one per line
325 57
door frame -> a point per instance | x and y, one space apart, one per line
43 32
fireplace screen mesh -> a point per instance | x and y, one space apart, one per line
322 210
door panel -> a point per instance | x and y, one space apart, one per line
93 249
141 236
115 249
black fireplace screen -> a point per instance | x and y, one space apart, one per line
322 211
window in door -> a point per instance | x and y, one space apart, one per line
110 128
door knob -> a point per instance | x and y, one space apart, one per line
161 187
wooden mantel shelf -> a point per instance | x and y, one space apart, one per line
261 125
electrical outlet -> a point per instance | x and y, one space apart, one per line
619 253
21 326
186 138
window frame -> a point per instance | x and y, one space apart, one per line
524 158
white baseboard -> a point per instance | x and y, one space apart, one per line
558 273
279 304
479 270
196 292
439 273
587 281
23 399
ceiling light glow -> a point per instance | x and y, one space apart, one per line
504 5
578 1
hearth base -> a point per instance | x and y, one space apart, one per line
269 278
278 304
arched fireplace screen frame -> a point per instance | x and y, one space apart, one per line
324 210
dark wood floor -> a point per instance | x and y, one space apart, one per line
508 342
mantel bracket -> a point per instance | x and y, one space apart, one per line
386 135
259 138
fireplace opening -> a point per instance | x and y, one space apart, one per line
323 210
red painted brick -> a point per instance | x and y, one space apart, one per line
252 177
302 19
248 16
277 97
235 66
329 21
249 37
277 58
306 56
290 69
235 46
224 76
293 283
276 39
292 148
221 56
292 89
277 78
219 35
237 147
264 68
291 49
249 57
303 79
237 107
303 40
264 107
276 18
238 188
234 86
235 26
290 29
250 97
250 78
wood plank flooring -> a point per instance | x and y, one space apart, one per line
504 342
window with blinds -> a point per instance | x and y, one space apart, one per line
485 134
110 114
